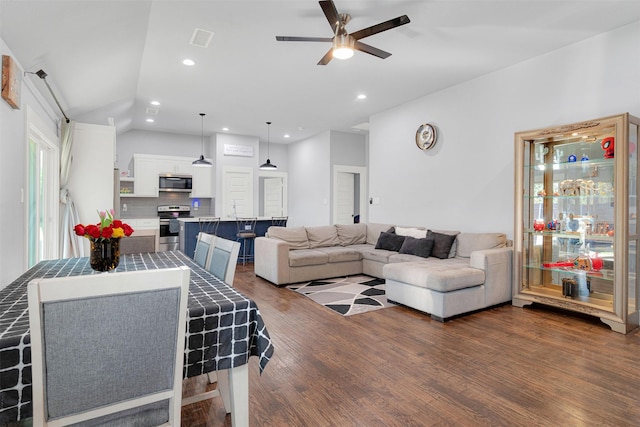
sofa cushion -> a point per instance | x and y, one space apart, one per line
323 236
296 237
452 252
415 232
419 247
303 257
442 244
470 242
374 230
378 255
390 241
351 234
441 278
341 254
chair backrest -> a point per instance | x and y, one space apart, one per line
108 347
203 246
209 224
246 227
279 221
223 259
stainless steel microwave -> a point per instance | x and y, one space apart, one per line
175 183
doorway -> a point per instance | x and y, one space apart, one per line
237 192
349 194
43 167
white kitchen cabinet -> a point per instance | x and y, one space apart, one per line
147 168
145 181
202 182
174 165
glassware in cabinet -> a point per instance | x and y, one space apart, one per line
576 204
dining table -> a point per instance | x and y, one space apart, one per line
224 328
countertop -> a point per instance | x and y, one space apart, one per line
196 219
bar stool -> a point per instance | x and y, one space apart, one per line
246 235
209 224
279 221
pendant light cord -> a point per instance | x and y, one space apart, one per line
268 140
202 133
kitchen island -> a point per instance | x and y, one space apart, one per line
190 227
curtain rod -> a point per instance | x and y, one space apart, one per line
43 75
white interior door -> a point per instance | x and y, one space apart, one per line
345 192
237 192
273 197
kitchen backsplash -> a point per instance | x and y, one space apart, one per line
147 207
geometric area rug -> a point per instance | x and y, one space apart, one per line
346 295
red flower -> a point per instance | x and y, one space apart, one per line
127 229
107 232
79 229
92 230
107 228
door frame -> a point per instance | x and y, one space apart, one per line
37 131
356 170
285 188
224 181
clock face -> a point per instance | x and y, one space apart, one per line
426 136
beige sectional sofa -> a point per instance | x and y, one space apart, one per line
443 273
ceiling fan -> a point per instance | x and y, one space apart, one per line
343 42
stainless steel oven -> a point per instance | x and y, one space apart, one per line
170 227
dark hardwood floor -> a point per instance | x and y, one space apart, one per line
505 366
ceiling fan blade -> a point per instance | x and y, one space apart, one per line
383 26
371 50
331 13
303 39
326 58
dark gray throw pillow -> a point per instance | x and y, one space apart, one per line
389 241
419 247
441 244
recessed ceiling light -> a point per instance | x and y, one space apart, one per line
150 120
156 103
189 62
225 129
362 96
286 135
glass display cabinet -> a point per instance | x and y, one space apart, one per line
575 239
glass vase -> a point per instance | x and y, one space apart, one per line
105 254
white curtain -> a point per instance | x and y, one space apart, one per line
70 244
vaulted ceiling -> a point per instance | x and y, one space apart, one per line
109 58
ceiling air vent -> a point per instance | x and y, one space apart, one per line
201 38
152 111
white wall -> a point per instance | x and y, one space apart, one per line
13 186
466 181
162 143
309 181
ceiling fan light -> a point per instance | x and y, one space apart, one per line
342 52
342 47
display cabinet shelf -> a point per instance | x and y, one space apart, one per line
576 204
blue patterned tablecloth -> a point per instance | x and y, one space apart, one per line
225 327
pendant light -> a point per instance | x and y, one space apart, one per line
268 165
202 162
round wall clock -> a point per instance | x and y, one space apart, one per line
426 136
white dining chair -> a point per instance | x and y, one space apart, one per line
203 245
108 348
223 259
